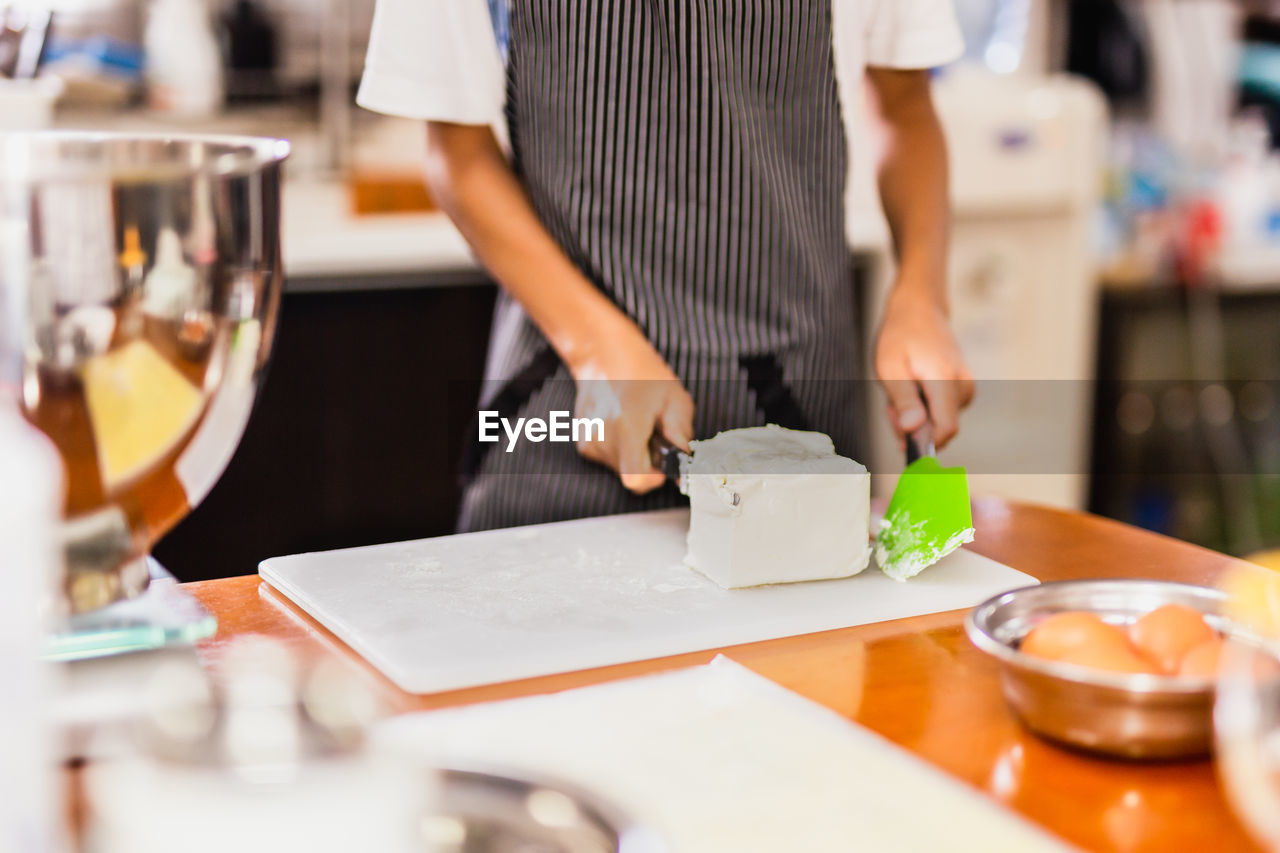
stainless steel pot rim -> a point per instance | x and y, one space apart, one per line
239 155
977 629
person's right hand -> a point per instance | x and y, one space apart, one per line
623 380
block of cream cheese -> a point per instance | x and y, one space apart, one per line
772 505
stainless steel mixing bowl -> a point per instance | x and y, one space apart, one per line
1134 716
139 284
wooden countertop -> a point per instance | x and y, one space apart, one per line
917 681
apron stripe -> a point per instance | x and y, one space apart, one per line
689 158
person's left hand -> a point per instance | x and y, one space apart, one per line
917 353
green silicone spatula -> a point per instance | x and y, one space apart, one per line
928 516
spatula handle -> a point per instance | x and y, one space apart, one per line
920 442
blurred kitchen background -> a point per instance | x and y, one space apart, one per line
1116 259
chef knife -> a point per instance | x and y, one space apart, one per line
673 462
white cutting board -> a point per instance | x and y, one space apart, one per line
717 759
482 608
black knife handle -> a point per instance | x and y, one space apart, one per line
664 456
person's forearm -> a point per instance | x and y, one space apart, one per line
917 355
913 180
472 181
619 376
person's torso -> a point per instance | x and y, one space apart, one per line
690 158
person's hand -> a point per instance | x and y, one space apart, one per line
623 380
917 353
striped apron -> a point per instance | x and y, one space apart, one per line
689 157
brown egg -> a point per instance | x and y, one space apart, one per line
1202 659
1166 634
1064 632
1112 657
1084 639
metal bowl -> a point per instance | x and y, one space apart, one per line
483 811
139 283
1132 716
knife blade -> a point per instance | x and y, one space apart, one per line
673 462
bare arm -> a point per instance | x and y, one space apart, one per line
470 178
604 350
916 350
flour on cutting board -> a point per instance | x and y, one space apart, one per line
516 585
478 608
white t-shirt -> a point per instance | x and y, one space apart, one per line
439 59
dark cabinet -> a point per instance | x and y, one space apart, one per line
1187 431
358 430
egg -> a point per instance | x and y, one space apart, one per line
1202 659
1084 639
1166 634
1062 633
